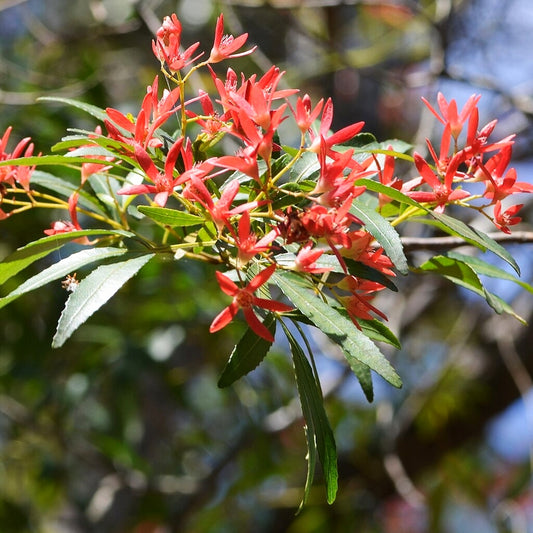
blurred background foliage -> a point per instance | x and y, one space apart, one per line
125 430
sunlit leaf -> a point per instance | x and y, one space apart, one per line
384 233
170 217
486 269
478 238
23 257
61 269
464 275
93 292
357 347
96 112
377 331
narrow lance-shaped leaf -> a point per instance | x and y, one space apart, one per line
480 239
25 256
384 233
96 112
462 274
357 347
61 269
65 188
247 354
93 292
486 269
318 430
170 217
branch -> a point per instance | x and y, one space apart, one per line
411 244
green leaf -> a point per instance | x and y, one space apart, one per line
93 292
65 188
318 430
456 271
170 217
61 269
23 257
356 268
247 354
357 347
96 112
395 194
384 233
486 269
377 331
475 237
306 166
447 223
501 306
462 274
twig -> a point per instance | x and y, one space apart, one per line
436 243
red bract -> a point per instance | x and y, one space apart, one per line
331 139
304 114
443 193
247 242
220 210
499 182
244 161
167 46
508 218
244 298
450 116
12 173
358 303
152 115
163 184
306 260
225 46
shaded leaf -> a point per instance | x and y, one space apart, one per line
65 188
247 354
93 292
318 431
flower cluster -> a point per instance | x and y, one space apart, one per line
260 212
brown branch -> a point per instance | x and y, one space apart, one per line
411 244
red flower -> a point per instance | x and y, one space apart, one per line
11 173
167 45
225 45
244 298
220 211
507 218
248 245
306 260
339 137
449 114
163 184
304 115
443 193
